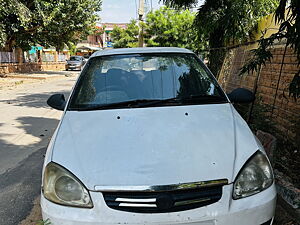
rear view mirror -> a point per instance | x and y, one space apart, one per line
241 95
57 101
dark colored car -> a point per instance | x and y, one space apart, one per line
75 63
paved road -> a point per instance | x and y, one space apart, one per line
26 125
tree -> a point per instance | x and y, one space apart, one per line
287 15
171 28
125 38
226 22
163 27
46 22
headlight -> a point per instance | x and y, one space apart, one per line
62 187
255 176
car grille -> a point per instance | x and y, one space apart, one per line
163 201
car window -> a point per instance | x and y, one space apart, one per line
114 79
75 58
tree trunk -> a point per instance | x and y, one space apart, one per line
216 59
217 55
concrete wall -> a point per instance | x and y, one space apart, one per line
30 67
286 109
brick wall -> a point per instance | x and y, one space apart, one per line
31 67
286 110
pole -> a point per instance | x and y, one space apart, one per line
141 14
278 82
257 79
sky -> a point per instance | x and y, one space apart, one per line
121 11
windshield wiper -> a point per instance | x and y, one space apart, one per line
140 103
204 98
129 104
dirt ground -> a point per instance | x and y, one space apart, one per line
35 216
283 218
9 83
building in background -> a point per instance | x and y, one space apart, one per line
91 44
108 27
99 40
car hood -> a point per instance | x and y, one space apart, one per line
151 146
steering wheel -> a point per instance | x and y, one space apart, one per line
101 93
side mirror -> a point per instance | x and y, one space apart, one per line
241 95
57 101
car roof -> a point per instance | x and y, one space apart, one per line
123 51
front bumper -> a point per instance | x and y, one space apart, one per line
253 210
75 67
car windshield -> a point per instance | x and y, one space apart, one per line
75 58
121 81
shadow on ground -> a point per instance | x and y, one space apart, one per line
21 185
33 100
21 154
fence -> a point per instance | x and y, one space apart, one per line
62 57
48 57
33 57
8 57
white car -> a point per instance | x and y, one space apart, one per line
149 137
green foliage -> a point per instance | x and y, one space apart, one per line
294 88
226 22
44 222
3 36
164 27
125 38
72 48
231 21
287 15
289 23
259 118
180 3
50 23
172 28
259 57
287 155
